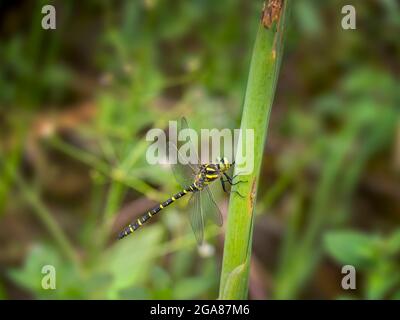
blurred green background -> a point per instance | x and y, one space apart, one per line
76 103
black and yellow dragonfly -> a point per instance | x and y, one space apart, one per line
194 179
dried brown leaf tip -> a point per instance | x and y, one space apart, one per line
271 12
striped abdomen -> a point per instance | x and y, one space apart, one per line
144 218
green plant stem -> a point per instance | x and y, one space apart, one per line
80 154
47 219
40 209
118 174
114 200
258 101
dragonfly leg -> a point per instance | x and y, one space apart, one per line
230 182
239 194
230 179
223 185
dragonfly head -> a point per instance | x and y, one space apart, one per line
224 164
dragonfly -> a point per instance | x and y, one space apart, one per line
195 179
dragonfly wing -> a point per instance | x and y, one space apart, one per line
210 207
196 216
184 125
184 170
184 173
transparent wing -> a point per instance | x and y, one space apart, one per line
210 207
184 125
184 173
196 216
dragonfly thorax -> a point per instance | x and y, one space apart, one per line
207 174
211 172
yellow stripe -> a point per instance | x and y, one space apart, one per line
210 169
138 221
149 214
130 228
184 191
173 199
211 176
161 206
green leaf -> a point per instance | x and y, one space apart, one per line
129 260
382 279
160 278
191 288
234 283
392 244
68 283
350 247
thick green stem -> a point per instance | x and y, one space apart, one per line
260 92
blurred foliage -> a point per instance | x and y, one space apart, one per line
375 255
76 103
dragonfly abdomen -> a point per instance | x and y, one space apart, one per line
144 218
